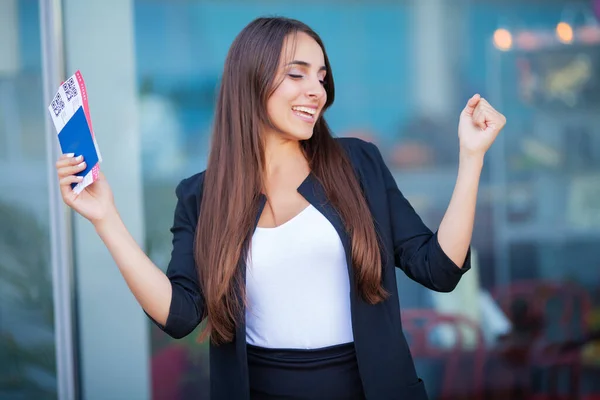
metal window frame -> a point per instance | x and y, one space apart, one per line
61 244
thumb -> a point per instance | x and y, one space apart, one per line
471 104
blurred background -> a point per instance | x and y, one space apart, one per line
524 323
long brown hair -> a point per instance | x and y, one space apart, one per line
234 178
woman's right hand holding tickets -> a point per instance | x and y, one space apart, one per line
95 202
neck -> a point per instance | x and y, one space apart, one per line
282 155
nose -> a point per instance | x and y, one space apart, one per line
315 90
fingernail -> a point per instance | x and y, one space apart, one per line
79 158
79 178
70 154
81 164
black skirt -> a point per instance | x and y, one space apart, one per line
325 373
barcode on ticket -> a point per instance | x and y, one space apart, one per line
70 89
58 104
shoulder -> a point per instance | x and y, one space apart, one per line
362 154
189 194
191 186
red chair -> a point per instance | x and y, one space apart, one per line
420 324
537 295
526 304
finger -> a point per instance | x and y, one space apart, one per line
502 120
65 160
479 118
68 180
471 104
488 109
71 170
66 190
66 155
476 114
492 115
492 112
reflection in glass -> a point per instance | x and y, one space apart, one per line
27 351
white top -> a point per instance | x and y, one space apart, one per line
297 285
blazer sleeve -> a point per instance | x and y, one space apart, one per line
417 250
187 302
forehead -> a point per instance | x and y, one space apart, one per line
302 47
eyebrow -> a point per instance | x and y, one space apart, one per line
305 64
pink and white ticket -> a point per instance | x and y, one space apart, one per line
72 95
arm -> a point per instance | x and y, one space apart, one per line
478 127
417 250
438 260
456 228
173 301
147 282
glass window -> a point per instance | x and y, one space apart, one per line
27 350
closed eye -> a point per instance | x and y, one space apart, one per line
295 76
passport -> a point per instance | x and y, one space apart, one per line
76 138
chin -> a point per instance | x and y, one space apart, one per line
303 135
298 134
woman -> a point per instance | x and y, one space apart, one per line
287 243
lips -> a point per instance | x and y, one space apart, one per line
305 113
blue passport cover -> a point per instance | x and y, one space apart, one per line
76 137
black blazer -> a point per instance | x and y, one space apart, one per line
384 361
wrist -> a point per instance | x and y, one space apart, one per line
107 222
471 159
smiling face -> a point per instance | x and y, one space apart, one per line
298 101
